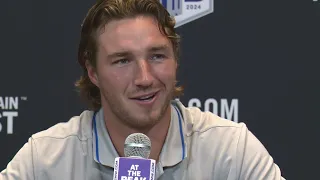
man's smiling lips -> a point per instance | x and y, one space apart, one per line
145 99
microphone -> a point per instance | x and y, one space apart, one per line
135 165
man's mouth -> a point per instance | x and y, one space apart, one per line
147 97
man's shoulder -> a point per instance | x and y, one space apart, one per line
77 126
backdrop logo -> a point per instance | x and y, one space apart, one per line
227 109
9 107
186 11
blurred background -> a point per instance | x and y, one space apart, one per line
248 61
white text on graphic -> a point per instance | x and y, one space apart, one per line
133 174
228 109
9 107
9 115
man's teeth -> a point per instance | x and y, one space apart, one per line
146 97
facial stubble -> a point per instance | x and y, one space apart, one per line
126 117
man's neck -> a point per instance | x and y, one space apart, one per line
157 133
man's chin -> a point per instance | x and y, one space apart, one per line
142 124
144 119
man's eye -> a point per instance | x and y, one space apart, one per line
121 61
157 57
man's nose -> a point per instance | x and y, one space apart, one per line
144 75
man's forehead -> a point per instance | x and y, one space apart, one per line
124 38
130 25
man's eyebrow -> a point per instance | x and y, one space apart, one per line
159 48
127 53
118 54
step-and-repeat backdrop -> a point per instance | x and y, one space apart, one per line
248 61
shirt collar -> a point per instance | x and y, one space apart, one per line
173 150
103 149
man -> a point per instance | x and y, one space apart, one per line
129 53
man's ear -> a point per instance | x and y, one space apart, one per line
92 73
177 64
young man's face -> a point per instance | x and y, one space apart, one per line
136 71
